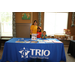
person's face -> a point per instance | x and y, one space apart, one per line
44 33
38 30
35 23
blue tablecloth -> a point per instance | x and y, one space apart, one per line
52 52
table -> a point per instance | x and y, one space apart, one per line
3 40
65 42
71 48
49 52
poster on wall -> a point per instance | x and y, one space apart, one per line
26 16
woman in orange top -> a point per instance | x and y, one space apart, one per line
33 28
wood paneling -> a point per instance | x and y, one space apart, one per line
42 20
23 30
35 17
69 20
18 17
72 29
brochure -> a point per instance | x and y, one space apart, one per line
34 41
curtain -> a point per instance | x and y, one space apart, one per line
73 17
14 25
39 17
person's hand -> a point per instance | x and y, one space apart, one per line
45 37
31 31
39 27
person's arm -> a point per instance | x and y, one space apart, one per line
43 36
30 31
39 27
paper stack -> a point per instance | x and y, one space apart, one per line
49 41
57 41
27 41
41 42
34 41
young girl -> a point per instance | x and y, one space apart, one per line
39 32
33 28
44 36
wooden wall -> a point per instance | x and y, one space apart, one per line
19 18
23 30
34 16
22 26
72 29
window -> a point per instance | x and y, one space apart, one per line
6 23
54 23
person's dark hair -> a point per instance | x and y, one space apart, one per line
44 31
34 21
39 28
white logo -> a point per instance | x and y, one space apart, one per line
24 53
34 52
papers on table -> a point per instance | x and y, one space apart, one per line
34 37
38 41
34 41
27 41
49 41
17 41
57 41
41 42
45 40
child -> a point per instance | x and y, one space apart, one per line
33 28
44 36
39 32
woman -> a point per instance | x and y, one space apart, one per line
33 28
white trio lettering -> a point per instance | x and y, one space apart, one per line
40 52
35 52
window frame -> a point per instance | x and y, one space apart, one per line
7 22
55 12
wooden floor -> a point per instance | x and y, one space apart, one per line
69 58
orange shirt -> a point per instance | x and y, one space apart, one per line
34 29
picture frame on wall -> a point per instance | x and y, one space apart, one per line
26 16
